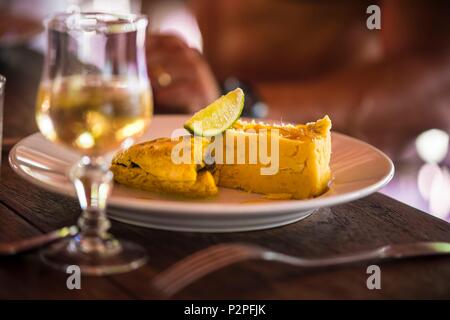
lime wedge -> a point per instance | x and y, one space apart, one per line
218 116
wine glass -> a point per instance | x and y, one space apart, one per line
94 96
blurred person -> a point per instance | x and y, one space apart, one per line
310 58
303 58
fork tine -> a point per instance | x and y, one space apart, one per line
172 287
192 268
190 262
194 259
197 257
192 275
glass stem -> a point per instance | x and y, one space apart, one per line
93 183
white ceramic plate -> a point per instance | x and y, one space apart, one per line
358 170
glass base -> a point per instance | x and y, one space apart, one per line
118 257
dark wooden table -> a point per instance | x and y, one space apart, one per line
26 210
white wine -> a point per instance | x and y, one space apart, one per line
92 114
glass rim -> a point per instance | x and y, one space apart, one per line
95 21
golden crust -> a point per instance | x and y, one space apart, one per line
149 166
304 158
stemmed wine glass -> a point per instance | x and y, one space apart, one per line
94 96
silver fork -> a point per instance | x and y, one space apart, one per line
206 261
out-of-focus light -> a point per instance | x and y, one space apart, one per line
45 125
432 145
427 174
103 192
434 186
131 129
97 123
85 141
440 194
128 142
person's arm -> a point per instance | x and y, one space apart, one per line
181 78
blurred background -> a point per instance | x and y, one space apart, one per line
296 59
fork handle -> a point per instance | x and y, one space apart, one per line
395 251
18 246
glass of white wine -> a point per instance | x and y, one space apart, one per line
94 96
